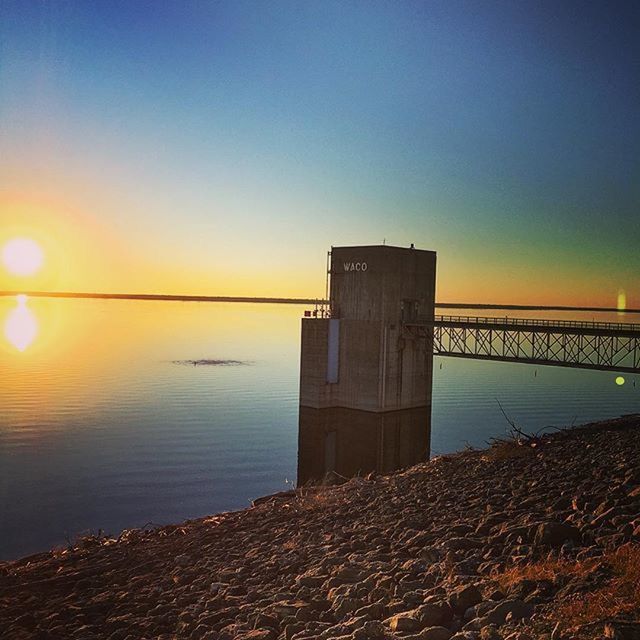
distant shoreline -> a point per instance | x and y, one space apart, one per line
158 296
528 307
266 300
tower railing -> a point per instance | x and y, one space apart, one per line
528 322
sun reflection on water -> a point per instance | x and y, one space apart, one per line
21 325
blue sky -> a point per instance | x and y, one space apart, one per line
220 143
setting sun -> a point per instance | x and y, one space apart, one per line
22 256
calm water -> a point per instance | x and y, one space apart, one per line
100 428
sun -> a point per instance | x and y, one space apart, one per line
22 256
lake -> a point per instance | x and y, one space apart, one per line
107 423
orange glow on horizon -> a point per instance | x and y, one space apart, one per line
48 245
86 251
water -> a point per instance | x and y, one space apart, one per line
102 428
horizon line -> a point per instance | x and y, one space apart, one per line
278 300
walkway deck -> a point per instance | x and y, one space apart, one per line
605 346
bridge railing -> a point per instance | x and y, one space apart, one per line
529 322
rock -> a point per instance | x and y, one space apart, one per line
375 611
461 544
291 629
622 630
258 634
523 588
555 534
461 529
435 614
412 598
474 625
372 629
490 632
478 610
348 574
310 581
284 608
519 635
182 560
263 620
517 609
403 623
465 597
342 606
465 635
305 614
435 633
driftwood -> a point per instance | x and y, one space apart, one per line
520 437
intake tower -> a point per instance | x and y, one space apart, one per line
361 373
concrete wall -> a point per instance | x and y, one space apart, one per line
408 371
358 383
314 388
372 283
381 366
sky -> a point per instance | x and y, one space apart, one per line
221 148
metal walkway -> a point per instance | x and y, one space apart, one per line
605 346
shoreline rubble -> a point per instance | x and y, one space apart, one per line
510 542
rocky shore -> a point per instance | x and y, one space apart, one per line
538 540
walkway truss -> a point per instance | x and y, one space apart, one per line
587 345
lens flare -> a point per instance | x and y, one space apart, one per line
22 256
21 326
622 300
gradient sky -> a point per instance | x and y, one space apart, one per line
222 147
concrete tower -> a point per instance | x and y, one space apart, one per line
362 359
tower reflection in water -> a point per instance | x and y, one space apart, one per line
343 443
